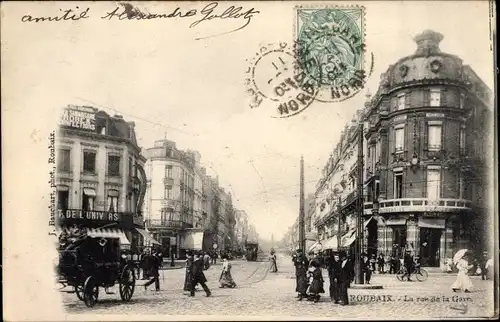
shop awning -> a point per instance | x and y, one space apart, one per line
331 243
436 223
348 238
316 247
395 222
193 240
109 232
147 237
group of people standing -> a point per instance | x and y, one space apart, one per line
309 277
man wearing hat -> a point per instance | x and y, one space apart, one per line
197 275
334 272
301 264
344 278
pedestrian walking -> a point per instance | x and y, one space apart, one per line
381 263
316 281
482 265
206 261
226 279
350 267
344 279
198 277
301 264
366 268
153 266
272 259
189 270
463 281
334 271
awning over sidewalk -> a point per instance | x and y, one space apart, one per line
147 237
110 233
349 238
316 247
331 243
193 240
380 221
395 222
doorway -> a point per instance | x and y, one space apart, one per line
430 245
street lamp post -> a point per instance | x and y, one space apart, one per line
359 217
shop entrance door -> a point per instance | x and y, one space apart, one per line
430 243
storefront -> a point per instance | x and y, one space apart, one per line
102 224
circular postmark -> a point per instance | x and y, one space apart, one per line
330 49
274 75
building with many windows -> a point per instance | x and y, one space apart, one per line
426 142
170 196
428 138
100 179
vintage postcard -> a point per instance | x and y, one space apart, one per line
265 160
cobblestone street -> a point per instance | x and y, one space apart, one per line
262 293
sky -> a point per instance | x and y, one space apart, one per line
192 91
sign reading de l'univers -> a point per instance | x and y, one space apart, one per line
89 215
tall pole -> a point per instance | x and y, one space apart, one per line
339 238
302 240
359 217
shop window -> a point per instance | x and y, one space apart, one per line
112 200
114 165
62 197
401 101
89 159
400 138
434 137
88 199
398 185
435 97
63 160
433 183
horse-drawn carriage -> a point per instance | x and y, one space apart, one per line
87 263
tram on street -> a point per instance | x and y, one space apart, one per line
251 249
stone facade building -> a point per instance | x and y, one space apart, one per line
426 144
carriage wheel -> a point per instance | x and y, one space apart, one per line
79 292
90 292
127 283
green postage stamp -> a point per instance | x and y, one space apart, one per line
330 49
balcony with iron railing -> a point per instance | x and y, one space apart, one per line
419 205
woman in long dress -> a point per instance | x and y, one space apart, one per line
463 281
189 268
272 259
226 280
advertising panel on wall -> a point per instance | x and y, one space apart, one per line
78 117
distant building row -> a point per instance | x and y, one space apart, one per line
161 197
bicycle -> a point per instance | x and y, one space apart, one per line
420 273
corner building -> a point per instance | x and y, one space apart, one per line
428 141
100 178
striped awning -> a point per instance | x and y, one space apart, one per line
316 247
436 223
109 232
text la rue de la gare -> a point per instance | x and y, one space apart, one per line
129 12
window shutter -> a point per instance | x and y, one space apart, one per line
444 96
424 190
427 97
426 136
443 137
